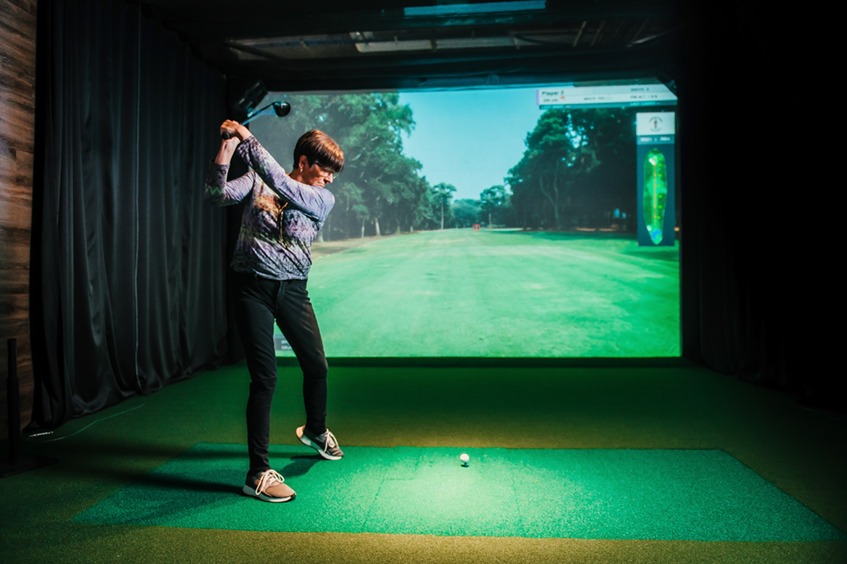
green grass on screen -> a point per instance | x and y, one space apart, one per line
497 293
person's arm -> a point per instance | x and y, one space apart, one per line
314 201
224 156
218 191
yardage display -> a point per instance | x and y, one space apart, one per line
604 96
655 155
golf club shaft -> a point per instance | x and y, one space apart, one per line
281 109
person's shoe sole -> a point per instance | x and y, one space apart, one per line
301 434
248 491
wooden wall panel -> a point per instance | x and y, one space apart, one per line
17 139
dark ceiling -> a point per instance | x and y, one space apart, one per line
370 44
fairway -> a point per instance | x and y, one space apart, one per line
498 293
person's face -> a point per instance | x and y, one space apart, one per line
314 175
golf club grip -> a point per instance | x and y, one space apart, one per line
226 135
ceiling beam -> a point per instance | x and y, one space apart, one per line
210 20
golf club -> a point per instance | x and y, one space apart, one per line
281 109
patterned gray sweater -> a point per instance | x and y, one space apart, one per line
281 216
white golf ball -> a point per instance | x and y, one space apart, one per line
464 458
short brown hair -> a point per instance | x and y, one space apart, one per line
319 149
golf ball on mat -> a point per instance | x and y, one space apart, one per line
464 458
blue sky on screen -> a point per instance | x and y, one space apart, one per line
469 138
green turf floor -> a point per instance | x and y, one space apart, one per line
699 495
499 293
584 410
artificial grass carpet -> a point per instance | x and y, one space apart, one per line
702 495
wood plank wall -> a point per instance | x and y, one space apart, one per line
17 141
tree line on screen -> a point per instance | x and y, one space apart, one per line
577 170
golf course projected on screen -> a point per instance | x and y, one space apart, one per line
492 222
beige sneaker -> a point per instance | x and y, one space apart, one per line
326 444
269 487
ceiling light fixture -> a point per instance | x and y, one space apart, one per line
482 8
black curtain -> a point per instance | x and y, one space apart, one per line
128 263
755 282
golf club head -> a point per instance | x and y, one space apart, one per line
282 109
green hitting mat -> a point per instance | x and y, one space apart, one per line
701 495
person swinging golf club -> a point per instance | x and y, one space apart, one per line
281 219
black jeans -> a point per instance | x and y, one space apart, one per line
258 301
